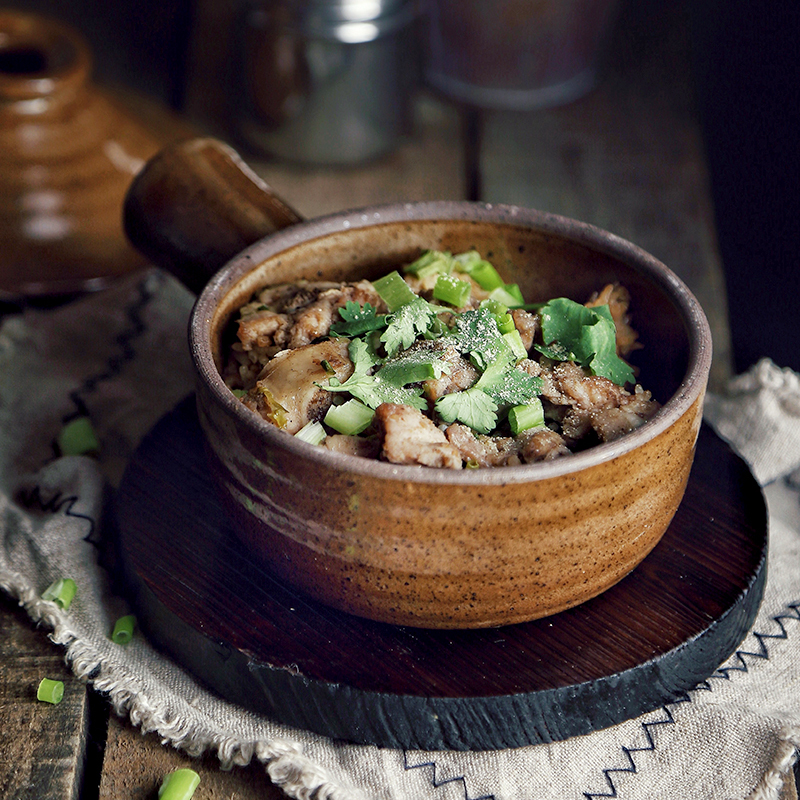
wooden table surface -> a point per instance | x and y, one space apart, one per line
628 157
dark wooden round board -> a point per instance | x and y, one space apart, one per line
203 600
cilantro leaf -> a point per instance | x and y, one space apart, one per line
584 335
473 407
476 333
511 387
357 320
405 324
372 390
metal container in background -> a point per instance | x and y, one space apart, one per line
516 54
325 81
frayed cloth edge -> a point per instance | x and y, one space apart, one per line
286 766
774 779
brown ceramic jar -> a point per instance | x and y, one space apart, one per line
68 153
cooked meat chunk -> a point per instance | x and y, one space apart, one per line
314 320
289 297
263 328
541 445
353 445
286 393
527 324
461 374
294 316
483 451
618 300
583 403
574 387
409 437
633 411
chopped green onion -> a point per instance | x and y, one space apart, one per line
401 373
505 322
485 275
123 629
508 294
495 306
77 438
61 592
431 262
464 262
178 785
523 418
350 418
50 691
238 392
312 432
514 341
451 290
393 290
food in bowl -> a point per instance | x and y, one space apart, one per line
444 365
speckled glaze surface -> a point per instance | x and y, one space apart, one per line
68 152
456 549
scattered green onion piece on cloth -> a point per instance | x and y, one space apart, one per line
179 785
77 438
61 592
50 691
123 629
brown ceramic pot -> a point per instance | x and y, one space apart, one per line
414 545
68 153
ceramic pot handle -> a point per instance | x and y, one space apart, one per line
195 205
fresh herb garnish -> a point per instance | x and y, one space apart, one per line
356 320
473 407
573 332
371 389
391 355
409 321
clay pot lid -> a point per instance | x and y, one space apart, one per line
40 59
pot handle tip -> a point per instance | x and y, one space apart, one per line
195 205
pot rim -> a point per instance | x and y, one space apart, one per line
66 53
692 387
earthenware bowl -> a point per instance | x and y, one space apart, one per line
414 545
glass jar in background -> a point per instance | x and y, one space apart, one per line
515 54
324 81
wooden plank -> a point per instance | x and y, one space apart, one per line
42 746
628 157
135 764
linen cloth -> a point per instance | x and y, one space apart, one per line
120 356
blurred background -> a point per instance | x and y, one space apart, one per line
206 61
